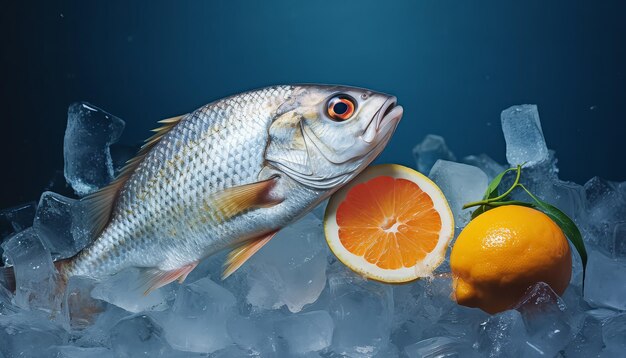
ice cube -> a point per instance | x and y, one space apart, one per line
291 269
602 275
139 336
98 331
6 298
429 150
35 275
28 334
609 352
440 347
503 335
461 184
547 320
125 291
614 333
606 209
569 198
542 180
255 333
435 314
80 352
306 332
362 312
423 310
601 314
462 322
433 299
228 352
390 351
577 268
523 135
80 310
320 210
404 303
588 341
619 241
601 193
62 222
573 295
198 319
20 217
89 133
486 164
411 314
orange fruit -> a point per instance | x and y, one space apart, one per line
503 252
390 224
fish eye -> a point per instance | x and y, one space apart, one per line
341 107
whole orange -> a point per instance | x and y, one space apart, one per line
503 252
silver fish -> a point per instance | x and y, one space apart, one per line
230 175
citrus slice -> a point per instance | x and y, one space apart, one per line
390 224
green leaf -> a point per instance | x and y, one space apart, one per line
566 224
491 192
492 188
481 209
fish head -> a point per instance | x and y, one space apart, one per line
323 136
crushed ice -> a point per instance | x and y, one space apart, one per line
294 298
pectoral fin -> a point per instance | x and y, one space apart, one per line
232 201
241 254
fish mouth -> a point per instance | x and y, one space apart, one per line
387 116
389 112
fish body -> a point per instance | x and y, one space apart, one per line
230 175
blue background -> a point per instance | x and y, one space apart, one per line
454 65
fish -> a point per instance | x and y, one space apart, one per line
230 175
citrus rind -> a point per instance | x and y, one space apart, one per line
358 264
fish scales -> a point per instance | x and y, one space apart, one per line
209 150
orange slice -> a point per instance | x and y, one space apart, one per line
390 224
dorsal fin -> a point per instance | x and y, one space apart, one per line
99 204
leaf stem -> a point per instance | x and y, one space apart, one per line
511 202
504 195
528 192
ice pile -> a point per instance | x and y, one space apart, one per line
293 298
291 271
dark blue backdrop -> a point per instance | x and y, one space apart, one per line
454 65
